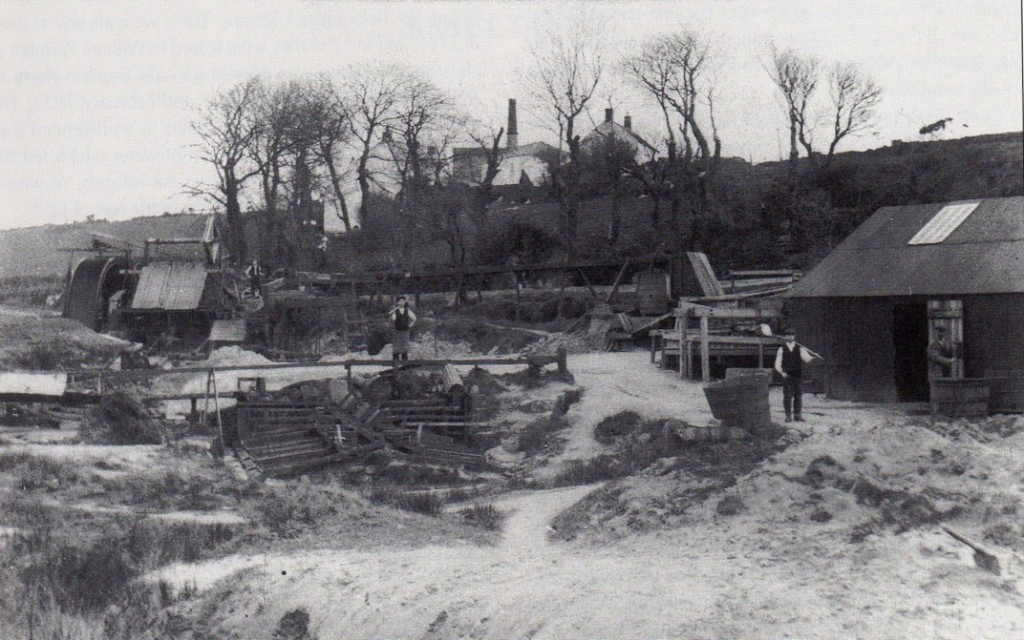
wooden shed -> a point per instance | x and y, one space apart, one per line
871 306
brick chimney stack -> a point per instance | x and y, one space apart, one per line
627 122
512 134
609 115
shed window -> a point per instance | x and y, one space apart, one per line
943 223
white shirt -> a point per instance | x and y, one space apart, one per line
804 355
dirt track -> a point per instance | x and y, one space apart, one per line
767 572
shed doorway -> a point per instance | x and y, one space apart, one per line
910 342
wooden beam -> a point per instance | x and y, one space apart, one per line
618 281
705 350
699 311
586 281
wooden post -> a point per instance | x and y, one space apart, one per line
705 350
689 357
348 376
586 281
563 363
760 356
618 281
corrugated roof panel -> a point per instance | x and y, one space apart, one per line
984 254
943 223
172 286
227 331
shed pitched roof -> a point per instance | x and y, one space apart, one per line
174 286
984 254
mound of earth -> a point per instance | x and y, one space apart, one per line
31 340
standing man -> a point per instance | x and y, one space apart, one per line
940 354
402 318
255 274
789 362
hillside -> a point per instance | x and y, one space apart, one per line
35 251
744 230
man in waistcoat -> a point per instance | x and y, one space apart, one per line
402 318
789 362
940 355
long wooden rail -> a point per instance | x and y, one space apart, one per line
560 359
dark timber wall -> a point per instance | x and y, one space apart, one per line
993 334
856 337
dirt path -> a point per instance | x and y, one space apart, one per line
525 531
767 573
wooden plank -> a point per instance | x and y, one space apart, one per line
705 351
705 274
738 313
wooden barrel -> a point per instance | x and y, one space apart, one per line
740 401
958 398
1006 390
652 293
736 372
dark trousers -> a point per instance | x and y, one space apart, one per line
791 391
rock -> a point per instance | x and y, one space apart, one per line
821 515
730 506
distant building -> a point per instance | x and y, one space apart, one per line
525 164
611 131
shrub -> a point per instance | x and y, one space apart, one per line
289 509
613 427
426 503
44 473
483 516
119 419
45 356
539 434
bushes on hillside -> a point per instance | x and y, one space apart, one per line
119 419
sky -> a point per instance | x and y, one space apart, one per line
98 96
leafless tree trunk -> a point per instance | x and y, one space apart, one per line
568 67
372 93
854 97
484 189
226 128
675 70
796 76
332 134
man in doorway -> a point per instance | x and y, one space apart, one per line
940 354
402 318
789 362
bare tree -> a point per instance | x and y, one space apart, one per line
332 134
567 69
796 76
490 141
226 129
854 96
676 70
420 112
274 118
372 93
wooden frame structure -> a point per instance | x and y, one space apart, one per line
681 341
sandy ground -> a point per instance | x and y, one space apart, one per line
766 573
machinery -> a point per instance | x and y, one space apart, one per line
180 297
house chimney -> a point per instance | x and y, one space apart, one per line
609 115
627 122
512 134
